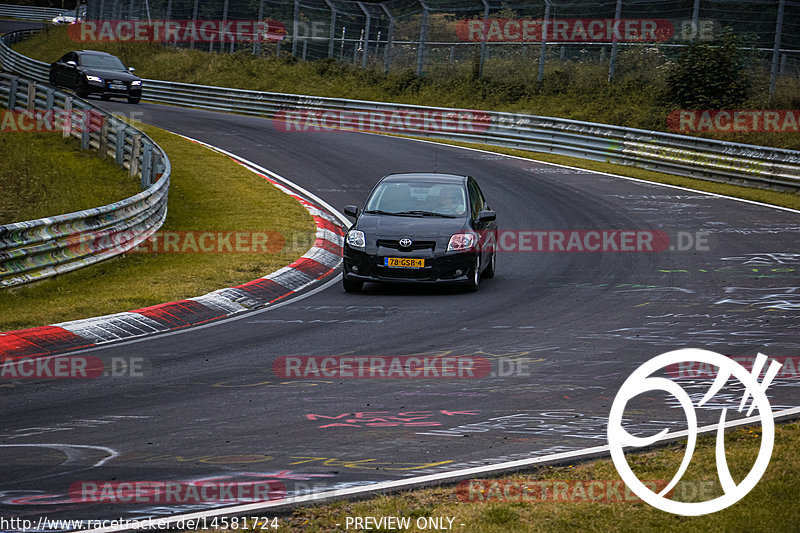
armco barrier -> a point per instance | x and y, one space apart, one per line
30 12
750 165
36 249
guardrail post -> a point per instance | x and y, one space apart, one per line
12 93
119 156
103 150
66 127
147 159
48 103
31 96
86 125
135 152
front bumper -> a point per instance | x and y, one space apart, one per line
453 267
105 89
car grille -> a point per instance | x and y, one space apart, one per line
394 244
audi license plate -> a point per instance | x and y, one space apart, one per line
403 262
117 87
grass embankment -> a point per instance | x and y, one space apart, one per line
770 506
43 175
572 89
208 193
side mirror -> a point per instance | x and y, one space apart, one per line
131 69
487 216
72 64
351 211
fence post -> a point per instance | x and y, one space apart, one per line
224 20
366 34
135 151
423 35
86 125
484 33
773 76
614 45
545 29
194 24
389 38
695 19
295 26
49 99
332 33
257 38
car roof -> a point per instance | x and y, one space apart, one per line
426 176
94 52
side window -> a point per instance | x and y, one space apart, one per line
475 198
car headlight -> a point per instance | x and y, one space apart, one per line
461 242
136 82
94 78
355 238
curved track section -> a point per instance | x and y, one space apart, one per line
562 331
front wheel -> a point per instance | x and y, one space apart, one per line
489 272
134 99
475 276
352 286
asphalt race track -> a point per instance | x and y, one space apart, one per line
570 327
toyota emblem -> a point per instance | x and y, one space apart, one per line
405 242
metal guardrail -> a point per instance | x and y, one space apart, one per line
37 249
743 164
30 12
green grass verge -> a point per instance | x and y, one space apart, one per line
45 175
572 90
770 506
208 192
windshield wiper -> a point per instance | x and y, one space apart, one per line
400 214
426 214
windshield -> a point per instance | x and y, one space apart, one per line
106 62
418 198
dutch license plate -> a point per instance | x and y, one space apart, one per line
403 262
117 87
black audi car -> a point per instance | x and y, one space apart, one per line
91 72
421 228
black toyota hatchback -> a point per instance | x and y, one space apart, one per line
91 72
421 228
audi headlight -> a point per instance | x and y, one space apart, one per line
355 238
94 78
136 82
461 242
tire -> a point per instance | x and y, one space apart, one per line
83 89
52 78
105 97
490 268
134 99
474 277
352 286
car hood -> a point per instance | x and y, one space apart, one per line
388 226
110 74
